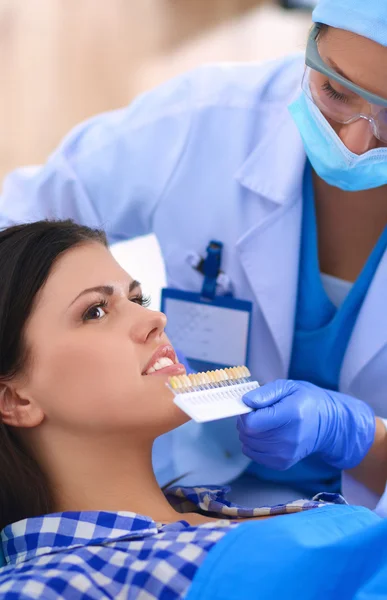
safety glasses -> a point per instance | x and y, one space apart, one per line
337 97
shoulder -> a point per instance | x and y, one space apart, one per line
211 88
223 85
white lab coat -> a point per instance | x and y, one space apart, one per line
213 154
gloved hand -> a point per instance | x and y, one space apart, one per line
294 419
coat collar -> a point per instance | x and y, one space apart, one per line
269 250
369 336
274 168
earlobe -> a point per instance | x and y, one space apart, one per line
18 410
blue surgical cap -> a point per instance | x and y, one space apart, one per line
364 17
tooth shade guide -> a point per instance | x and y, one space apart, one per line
213 395
218 378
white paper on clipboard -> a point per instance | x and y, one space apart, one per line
212 332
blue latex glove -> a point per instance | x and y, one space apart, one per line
294 419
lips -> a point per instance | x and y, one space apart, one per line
164 358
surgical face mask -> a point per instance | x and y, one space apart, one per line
329 156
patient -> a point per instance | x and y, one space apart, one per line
83 367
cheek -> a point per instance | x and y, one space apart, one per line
86 385
86 381
335 126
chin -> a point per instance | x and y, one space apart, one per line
160 405
174 418
182 417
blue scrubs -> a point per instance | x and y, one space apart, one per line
322 333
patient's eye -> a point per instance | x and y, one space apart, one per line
95 312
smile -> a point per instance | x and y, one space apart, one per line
164 361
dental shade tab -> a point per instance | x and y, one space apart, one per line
213 395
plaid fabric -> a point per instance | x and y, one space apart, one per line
96 555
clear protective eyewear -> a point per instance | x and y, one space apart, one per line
338 98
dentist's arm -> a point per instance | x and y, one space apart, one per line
294 419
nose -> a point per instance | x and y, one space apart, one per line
148 325
358 136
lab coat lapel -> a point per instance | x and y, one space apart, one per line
370 333
269 251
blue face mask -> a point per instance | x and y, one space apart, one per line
330 158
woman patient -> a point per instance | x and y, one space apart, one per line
83 367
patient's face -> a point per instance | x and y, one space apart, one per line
91 351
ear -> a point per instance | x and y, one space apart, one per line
17 409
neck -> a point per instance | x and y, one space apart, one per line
109 474
371 202
349 225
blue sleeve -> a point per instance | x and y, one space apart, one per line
328 552
110 171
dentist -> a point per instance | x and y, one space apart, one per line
286 164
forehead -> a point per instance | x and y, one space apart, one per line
84 266
362 60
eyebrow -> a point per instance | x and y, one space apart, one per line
338 70
107 290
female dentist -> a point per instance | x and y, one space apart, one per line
287 166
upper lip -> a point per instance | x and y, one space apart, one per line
165 350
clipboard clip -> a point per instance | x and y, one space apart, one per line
210 268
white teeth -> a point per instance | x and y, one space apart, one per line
160 364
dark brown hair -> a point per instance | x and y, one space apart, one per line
27 255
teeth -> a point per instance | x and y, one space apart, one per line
160 364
